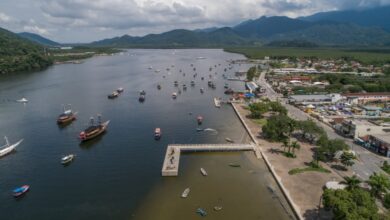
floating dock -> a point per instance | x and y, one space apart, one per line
172 155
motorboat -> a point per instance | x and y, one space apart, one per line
142 92
229 140
8 148
199 119
203 172
22 100
67 116
217 102
141 98
150 67
185 193
157 133
65 160
184 87
113 95
94 130
229 91
199 129
226 86
20 191
157 71
174 95
201 212
120 90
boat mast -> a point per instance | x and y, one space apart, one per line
92 121
6 140
99 119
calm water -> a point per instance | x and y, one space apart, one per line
118 175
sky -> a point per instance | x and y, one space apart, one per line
80 21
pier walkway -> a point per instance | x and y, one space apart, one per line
172 155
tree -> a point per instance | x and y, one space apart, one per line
379 184
285 144
328 148
352 182
278 128
347 159
310 130
354 204
386 201
295 145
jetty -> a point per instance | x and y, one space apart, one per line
172 155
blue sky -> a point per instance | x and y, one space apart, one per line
89 20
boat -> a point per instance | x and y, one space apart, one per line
185 193
217 208
199 119
192 83
120 90
176 83
142 92
201 90
113 95
157 71
201 212
229 91
199 129
201 58
157 133
141 98
229 140
234 165
217 102
226 86
202 78
67 159
22 100
94 130
8 148
20 191
158 86
174 95
184 87
203 172
67 116
150 67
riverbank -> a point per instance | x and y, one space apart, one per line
303 191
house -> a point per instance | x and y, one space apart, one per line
315 99
251 86
360 128
362 98
379 143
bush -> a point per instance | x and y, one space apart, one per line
386 201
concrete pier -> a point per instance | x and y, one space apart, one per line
172 155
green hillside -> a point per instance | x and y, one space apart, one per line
18 54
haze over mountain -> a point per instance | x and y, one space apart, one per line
38 39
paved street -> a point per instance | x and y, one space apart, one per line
367 162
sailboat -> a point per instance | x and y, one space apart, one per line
8 148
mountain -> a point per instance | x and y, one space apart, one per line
18 54
39 39
372 17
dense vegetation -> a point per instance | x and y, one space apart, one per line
17 54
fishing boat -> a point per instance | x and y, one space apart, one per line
141 98
18 192
234 165
94 130
157 133
113 95
217 102
8 148
65 160
67 116
174 95
199 119
201 212
185 193
120 90
201 90
229 140
203 172
158 86
22 100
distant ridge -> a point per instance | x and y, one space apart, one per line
39 39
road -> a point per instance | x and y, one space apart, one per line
367 162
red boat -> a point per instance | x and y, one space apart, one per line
93 130
157 133
21 190
199 119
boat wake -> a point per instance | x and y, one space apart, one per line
211 130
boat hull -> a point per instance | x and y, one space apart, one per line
101 131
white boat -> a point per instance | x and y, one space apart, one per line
217 102
7 148
174 95
203 171
67 159
185 193
150 67
22 100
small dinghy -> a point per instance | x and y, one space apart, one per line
18 192
67 159
217 208
8 148
185 193
113 95
201 212
229 140
203 172
174 95
22 100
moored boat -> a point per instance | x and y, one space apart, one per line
185 193
201 90
174 95
192 83
229 140
113 95
158 86
199 119
141 98
176 83
203 172
120 90
142 92
18 192
94 130
201 212
8 148
157 133
67 116
217 102
67 159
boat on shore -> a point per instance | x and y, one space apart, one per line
93 130
20 191
157 133
185 193
113 95
203 171
199 119
67 116
8 148
217 102
65 160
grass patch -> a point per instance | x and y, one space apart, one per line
308 169
261 121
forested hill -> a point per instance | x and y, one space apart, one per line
18 54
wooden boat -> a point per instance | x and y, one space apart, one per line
8 148
94 130
67 116
234 165
157 133
18 192
203 172
113 95
67 159
185 193
229 140
199 119
120 90
217 102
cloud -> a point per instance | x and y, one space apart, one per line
4 18
36 29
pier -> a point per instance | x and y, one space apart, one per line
172 155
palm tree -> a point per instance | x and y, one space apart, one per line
285 144
295 145
352 182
